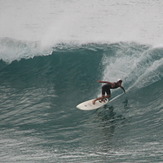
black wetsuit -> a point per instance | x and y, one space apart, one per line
106 88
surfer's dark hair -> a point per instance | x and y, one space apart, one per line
119 81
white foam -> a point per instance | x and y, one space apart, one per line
136 68
11 50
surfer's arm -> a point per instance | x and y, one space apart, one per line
110 83
100 81
123 89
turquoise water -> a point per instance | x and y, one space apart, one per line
39 121
53 63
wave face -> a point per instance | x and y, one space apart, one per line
39 91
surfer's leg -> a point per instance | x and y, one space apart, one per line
99 98
103 98
107 91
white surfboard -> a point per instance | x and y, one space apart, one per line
88 105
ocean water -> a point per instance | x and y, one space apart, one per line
51 55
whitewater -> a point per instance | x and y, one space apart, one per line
51 55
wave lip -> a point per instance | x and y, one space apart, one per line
12 49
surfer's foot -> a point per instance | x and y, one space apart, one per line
105 99
93 102
102 100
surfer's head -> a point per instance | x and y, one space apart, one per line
119 81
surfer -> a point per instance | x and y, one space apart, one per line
106 89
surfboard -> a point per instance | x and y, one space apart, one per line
88 105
